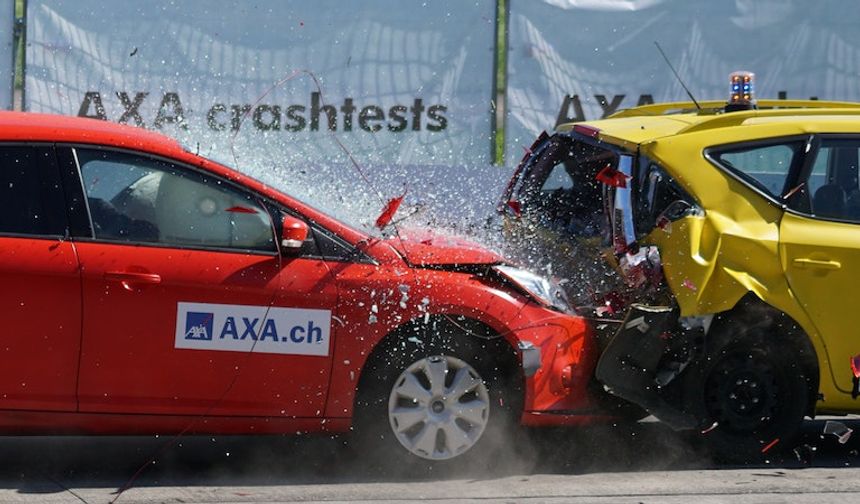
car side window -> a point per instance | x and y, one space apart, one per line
133 198
31 194
833 180
765 167
559 190
558 179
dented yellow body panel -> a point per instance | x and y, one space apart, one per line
713 260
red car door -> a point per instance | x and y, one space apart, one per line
40 299
188 308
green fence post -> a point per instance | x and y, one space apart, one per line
500 83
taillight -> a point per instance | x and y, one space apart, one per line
589 131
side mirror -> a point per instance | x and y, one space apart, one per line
677 210
294 232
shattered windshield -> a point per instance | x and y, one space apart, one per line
320 189
560 225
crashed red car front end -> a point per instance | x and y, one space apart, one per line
556 350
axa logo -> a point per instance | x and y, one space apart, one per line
260 329
297 334
198 326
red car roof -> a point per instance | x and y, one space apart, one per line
30 126
33 127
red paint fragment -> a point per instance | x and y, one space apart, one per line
241 209
855 365
528 151
690 285
611 303
770 445
589 131
515 206
389 211
611 177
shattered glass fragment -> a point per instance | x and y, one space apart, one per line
404 291
639 323
712 427
425 302
838 429
805 453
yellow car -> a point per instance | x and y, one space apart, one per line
717 250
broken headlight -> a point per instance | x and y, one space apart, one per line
541 289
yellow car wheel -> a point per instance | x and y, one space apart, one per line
757 396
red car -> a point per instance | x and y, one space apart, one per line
150 290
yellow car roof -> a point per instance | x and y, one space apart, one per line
642 124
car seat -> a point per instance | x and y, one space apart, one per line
829 201
191 212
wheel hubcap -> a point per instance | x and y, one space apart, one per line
742 392
438 407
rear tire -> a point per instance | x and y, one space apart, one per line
757 395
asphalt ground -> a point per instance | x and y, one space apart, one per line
644 462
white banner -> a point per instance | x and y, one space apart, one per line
7 56
584 59
404 82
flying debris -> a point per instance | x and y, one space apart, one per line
388 212
838 429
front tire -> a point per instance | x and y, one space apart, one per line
437 398
438 407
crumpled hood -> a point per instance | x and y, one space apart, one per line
425 248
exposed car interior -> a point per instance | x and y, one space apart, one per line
139 200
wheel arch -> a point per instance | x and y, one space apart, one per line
773 323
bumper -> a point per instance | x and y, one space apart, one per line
643 359
558 353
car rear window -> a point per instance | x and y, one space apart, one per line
31 196
765 167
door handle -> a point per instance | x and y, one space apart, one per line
128 279
805 262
